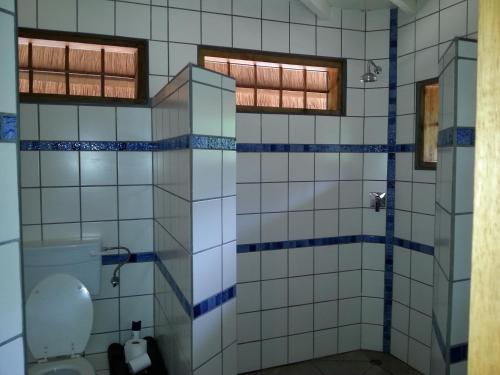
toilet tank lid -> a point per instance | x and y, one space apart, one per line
37 253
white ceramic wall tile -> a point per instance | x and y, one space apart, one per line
274 227
300 347
274 352
274 293
452 22
65 9
274 323
206 336
96 16
246 33
133 20
249 327
328 42
12 357
99 203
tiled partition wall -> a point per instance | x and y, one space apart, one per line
421 40
454 203
11 312
195 223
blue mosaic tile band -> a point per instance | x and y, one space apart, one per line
134 258
8 127
186 305
85 146
198 142
457 137
420 247
285 147
391 174
456 353
325 241
213 302
202 307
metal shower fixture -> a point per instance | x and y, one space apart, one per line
370 76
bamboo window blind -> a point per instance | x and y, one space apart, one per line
427 124
279 84
72 69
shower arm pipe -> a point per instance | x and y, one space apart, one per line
377 69
115 280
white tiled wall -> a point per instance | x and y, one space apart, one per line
11 313
301 303
106 194
422 39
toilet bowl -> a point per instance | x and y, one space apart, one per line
72 366
59 318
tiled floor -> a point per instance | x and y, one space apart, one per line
361 362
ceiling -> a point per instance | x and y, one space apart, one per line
323 8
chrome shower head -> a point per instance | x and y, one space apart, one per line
369 76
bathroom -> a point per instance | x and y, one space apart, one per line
258 237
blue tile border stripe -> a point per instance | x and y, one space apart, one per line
199 142
85 146
457 136
391 176
325 241
456 353
196 142
213 302
186 305
345 148
134 258
202 142
407 244
8 127
202 307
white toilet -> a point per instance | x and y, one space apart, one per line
59 277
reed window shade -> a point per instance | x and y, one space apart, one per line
272 82
67 66
427 124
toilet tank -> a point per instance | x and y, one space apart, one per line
79 258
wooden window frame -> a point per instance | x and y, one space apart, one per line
420 164
283 58
141 74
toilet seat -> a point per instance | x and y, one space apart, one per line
59 317
79 365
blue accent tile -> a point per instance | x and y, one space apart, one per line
345 148
134 258
458 353
457 137
466 136
8 127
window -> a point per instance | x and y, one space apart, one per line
57 66
427 124
274 82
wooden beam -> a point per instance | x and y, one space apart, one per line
407 6
321 8
484 328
